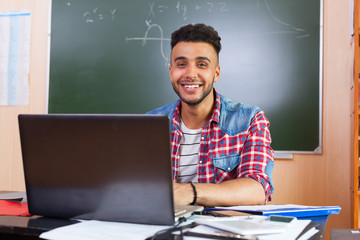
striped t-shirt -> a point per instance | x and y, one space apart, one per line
189 154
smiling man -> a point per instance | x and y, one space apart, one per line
221 153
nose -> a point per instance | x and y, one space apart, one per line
191 72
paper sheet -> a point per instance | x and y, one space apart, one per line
291 233
15 29
89 230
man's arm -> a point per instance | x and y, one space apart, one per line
256 156
241 191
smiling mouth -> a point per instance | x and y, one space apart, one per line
191 86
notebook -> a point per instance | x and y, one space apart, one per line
112 167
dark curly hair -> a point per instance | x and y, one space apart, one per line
197 33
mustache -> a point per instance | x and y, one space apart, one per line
182 81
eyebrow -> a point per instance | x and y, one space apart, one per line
197 58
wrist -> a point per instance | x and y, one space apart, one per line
195 195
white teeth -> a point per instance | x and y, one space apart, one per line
191 86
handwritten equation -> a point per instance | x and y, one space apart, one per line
209 7
182 8
98 14
184 11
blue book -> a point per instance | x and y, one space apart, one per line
292 210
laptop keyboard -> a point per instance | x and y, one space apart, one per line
179 212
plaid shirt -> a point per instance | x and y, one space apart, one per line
222 156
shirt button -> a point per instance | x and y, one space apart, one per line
200 161
202 138
229 169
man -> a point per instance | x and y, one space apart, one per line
221 154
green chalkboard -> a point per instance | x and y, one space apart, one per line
112 56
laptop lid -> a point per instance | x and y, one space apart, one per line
104 167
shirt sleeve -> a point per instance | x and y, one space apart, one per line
257 156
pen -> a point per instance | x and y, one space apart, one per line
214 214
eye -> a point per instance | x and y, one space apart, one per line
181 65
202 64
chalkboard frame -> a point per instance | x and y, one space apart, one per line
289 154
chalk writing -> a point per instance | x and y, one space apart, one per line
210 7
162 8
223 7
113 13
151 12
183 9
293 28
97 14
145 38
187 9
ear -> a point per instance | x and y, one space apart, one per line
217 73
170 70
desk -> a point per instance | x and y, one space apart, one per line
345 234
14 227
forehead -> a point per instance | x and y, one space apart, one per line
193 50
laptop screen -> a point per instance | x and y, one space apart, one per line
98 166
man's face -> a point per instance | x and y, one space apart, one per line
193 70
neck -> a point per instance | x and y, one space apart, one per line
194 117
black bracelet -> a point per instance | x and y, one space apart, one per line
195 194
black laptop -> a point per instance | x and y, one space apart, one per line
98 166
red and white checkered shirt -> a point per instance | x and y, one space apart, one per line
223 157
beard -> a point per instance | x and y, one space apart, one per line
197 101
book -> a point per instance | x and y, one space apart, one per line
13 196
10 208
292 210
